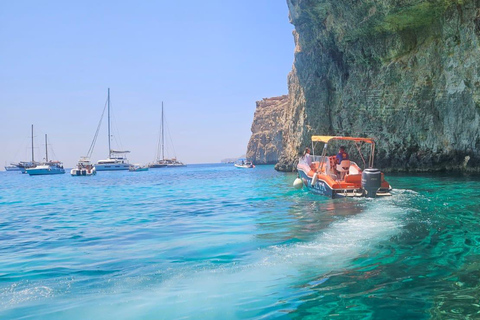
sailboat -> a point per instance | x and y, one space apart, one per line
164 162
117 159
48 167
24 165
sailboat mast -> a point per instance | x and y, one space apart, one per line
163 137
33 155
46 149
109 136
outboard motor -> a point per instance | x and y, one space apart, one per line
371 182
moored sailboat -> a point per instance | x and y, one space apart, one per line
48 167
164 162
117 159
24 165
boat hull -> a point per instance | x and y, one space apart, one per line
156 166
23 166
244 166
12 168
45 171
321 187
82 172
167 164
112 167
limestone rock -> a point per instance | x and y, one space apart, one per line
266 143
406 73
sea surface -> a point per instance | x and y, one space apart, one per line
217 242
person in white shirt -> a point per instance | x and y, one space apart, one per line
307 158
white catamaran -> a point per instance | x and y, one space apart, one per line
164 162
117 159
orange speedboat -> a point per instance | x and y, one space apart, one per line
325 176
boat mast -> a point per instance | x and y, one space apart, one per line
33 160
163 137
46 149
109 136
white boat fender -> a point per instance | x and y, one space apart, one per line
314 179
298 183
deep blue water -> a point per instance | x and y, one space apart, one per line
216 242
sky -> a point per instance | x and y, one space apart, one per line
207 61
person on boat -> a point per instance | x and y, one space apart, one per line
307 159
342 155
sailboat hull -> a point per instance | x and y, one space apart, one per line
45 170
112 167
12 168
156 165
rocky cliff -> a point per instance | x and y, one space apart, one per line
405 72
266 142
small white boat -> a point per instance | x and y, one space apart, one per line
137 167
84 168
243 163
48 167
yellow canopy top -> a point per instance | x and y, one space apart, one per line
326 139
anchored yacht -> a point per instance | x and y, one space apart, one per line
117 159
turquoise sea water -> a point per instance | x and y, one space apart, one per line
216 242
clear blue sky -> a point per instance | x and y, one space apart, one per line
209 61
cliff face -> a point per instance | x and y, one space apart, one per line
266 143
406 73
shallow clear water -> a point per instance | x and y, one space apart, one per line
216 242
